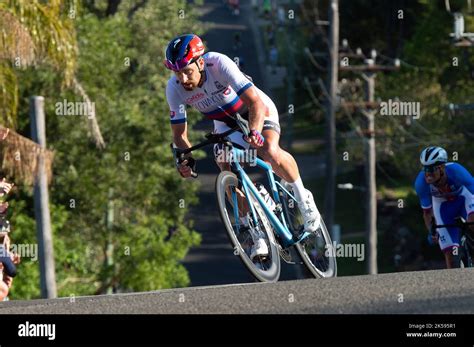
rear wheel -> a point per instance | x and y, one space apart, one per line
317 250
264 269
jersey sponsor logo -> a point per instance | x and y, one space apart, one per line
218 85
195 98
172 114
217 92
227 91
215 99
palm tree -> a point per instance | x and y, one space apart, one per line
33 33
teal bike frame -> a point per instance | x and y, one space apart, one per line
287 238
279 224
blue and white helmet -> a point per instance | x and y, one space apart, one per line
433 156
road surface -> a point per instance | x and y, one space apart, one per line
437 291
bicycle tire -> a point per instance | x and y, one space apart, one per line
331 271
228 179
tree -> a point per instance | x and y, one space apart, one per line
121 68
35 33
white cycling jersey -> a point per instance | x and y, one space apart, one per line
218 96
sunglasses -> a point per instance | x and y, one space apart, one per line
431 169
178 65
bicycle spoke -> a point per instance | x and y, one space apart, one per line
245 238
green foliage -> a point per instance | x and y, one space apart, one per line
32 33
26 283
134 178
434 72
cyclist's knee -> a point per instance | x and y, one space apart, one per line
470 219
452 257
223 166
221 156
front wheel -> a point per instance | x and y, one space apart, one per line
265 269
317 250
465 253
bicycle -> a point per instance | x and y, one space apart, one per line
466 246
281 228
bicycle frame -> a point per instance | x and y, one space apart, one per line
280 227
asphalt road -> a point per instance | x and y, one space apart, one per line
437 291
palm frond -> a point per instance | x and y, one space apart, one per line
52 33
8 95
20 157
16 43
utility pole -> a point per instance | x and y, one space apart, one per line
41 202
460 107
371 209
291 79
369 109
330 200
464 40
109 253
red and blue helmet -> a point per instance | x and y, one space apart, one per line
182 51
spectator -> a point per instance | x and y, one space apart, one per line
234 6
237 42
267 8
271 35
281 15
7 260
274 58
241 63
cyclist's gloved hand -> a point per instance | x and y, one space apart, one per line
432 239
187 168
255 138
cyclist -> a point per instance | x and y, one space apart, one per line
213 84
446 191
234 6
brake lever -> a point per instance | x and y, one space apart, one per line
178 155
243 124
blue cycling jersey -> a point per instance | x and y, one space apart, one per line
458 177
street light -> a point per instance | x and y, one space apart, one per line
350 186
458 26
373 54
345 44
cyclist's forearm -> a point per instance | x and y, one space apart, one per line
181 142
257 116
427 216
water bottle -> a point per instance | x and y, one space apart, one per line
266 196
